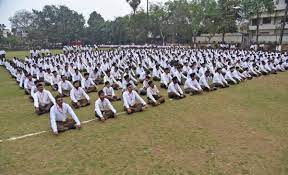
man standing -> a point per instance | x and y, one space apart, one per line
58 117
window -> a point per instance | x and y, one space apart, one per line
266 20
254 22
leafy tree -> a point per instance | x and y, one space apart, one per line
252 8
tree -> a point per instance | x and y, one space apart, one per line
196 18
134 4
96 28
251 8
210 19
57 24
159 21
228 15
22 21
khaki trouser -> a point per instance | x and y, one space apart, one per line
106 114
83 103
138 107
66 125
158 98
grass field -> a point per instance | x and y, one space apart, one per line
239 130
22 54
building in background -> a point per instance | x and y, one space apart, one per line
270 25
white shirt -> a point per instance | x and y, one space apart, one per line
86 83
60 114
66 85
192 84
103 106
175 88
165 79
109 91
77 94
131 98
151 92
43 98
203 81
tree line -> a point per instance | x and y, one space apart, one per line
178 21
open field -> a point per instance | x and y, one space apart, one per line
22 53
239 130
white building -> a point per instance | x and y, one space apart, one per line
270 24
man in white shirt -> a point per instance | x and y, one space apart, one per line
218 80
78 96
87 84
43 100
59 119
204 82
192 86
64 86
28 83
132 101
174 89
55 79
153 95
143 90
104 108
109 92
165 78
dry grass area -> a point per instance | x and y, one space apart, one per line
239 130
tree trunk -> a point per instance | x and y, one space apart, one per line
257 29
283 27
223 37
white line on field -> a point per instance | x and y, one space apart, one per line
24 136
41 132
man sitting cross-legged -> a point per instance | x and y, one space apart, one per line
174 90
104 108
64 87
78 96
43 100
87 84
109 92
132 100
192 86
58 117
153 95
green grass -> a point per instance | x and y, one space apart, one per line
239 130
22 54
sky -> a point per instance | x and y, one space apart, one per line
109 9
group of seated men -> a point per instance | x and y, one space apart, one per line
180 71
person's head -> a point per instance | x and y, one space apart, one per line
40 86
76 71
126 77
107 84
29 76
59 100
86 75
175 80
207 73
54 73
193 76
129 87
151 84
76 84
166 70
63 77
101 94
